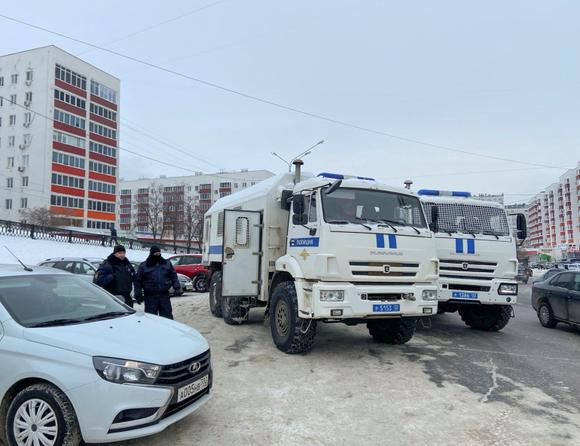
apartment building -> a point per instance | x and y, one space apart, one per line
59 132
554 214
169 198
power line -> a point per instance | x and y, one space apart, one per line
156 25
279 105
141 155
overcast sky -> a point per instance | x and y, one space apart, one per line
498 78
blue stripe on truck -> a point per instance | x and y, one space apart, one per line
215 249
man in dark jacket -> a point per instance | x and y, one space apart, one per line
154 279
117 275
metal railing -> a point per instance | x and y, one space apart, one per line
38 232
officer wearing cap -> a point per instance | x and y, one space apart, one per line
154 279
116 275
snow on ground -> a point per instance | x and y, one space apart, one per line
31 251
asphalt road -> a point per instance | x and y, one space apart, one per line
449 385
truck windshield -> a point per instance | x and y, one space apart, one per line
350 205
470 219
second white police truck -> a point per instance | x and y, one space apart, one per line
477 257
326 248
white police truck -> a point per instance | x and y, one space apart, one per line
477 257
326 248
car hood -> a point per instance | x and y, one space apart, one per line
139 337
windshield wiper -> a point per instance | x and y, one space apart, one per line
108 315
388 223
362 224
401 223
338 222
56 322
491 233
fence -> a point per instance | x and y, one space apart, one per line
37 232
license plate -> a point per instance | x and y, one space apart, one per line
463 295
191 389
386 308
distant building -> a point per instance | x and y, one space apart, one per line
554 214
496 198
170 197
69 162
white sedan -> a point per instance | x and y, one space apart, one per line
77 365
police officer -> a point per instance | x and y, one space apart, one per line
116 275
154 279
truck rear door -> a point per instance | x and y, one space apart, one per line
241 253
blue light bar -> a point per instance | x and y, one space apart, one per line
339 176
444 193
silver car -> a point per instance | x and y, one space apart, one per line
86 267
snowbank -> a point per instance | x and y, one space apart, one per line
32 251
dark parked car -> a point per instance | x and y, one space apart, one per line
558 299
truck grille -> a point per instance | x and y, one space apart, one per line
466 269
384 270
179 372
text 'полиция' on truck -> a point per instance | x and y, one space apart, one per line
326 248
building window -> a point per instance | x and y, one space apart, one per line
67 202
102 168
14 79
103 112
24 181
10 183
102 130
23 203
28 97
103 149
12 99
12 120
8 203
70 77
27 119
10 162
25 160
11 141
103 92
29 76
69 99
105 188
67 118
1 81
101 206
68 160
68 181
0 118
26 139
68 139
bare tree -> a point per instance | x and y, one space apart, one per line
37 216
150 211
193 223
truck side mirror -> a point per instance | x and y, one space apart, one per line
522 229
298 204
285 199
299 219
434 218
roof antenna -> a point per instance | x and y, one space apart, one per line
26 268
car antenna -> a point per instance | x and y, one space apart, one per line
26 268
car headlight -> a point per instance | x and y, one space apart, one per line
510 289
331 295
429 295
123 371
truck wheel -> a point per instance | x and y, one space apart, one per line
200 283
290 333
42 414
392 331
215 294
234 311
546 315
486 317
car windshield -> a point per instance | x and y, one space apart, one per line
469 218
364 205
50 300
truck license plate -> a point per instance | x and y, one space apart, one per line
191 389
386 308
463 295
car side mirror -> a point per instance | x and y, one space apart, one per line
521 226
434 218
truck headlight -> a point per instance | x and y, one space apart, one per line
122 371
331 295
429 295
510 289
